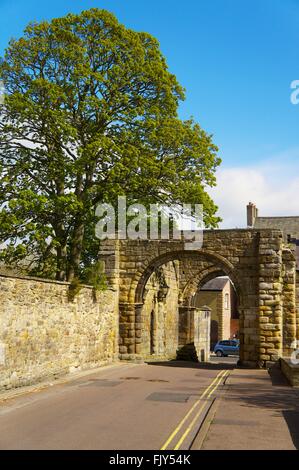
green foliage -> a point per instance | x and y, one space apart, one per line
74 289
94 276
90 114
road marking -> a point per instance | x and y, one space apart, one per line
189 428
177 429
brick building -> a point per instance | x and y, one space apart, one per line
219 295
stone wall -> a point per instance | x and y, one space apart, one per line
43 334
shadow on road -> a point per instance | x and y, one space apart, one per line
277 377
256 391
292 420
213 365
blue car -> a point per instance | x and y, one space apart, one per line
227 347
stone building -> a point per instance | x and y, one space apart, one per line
289 225
219 295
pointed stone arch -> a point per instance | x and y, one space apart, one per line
218 262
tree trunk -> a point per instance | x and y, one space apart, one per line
61 250
76 250
59 228
61 263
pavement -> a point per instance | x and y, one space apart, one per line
162 405
258 411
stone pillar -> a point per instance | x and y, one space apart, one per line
249 326
289 302
201 332
241 335
130 324
297 305
186 324
194 333
270 298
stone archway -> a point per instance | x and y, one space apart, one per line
196 267
259 264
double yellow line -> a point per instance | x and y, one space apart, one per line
206 394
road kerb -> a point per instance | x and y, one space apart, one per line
172 436
47 384
204 428
208 419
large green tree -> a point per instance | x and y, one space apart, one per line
90 113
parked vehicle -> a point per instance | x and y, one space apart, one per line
227 347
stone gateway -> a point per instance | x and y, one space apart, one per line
157 279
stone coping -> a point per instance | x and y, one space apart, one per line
46 281
244 229
290 371
287 360
278 217
212 230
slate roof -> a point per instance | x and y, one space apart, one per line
289 225
217 284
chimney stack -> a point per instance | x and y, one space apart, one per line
252 213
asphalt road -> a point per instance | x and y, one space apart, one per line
128 406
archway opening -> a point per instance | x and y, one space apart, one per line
219 295
166 319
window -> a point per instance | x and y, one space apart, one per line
226 301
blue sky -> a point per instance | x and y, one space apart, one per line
236 59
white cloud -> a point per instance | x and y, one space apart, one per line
273 185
